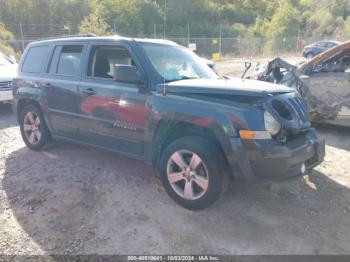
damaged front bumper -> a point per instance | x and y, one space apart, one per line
269 159
294 150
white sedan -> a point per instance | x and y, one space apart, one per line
8 70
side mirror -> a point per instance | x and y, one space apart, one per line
127 74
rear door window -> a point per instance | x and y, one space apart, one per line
35 59
69 60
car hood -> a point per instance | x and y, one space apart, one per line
233 86
8 72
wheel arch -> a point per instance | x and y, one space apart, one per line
168 131
21 103
29 95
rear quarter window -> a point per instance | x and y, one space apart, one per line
35 59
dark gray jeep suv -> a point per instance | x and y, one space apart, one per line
157 101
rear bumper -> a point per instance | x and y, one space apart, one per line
270 160
6 95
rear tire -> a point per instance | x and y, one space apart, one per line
190 170
34 131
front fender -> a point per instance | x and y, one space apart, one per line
197 112
176 109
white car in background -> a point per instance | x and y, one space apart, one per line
8 70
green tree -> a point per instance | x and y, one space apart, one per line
95 25
42 18
5 36
269 20
285 21
132 18
346 29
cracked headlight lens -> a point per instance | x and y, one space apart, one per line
271 124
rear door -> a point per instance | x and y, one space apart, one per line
62 78
112 114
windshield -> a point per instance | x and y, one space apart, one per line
4 61
174 63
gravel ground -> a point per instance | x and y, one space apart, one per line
76 200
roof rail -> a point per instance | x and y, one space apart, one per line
68 36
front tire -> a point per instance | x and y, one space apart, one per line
34 131
191 173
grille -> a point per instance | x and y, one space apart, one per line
5 85
291 111
290 106
299 106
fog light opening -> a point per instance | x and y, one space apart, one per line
303 168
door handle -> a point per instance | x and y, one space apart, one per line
89 92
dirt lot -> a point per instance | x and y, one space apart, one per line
75 200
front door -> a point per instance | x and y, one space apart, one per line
112 114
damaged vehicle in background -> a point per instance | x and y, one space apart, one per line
323 82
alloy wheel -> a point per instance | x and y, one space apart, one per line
187 174
32 128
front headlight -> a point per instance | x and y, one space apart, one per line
271 124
